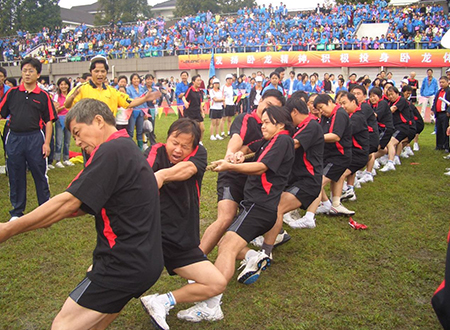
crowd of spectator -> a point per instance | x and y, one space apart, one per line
255 29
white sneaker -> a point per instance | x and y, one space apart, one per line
344 186
376 165
291 216
212 138
258 241
404 154
3 169
253 268
397 161
359 174
303 223
357 184
222 134
322 209
228 133
374 172
218 137
281 238
156 310
434 132
416 146
340 210
388 167
446 173
144 147
383 160
13 218
409 151
352 199
201 312
50 167
447 157
346 194
368 177
59 165
69 163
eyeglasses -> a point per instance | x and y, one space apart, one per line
28 71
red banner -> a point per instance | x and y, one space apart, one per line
356 58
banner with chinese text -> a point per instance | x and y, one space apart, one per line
354 58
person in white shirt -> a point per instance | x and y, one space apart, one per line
216 110
229 110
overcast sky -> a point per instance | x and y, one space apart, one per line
291 4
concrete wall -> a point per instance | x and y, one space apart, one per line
165 67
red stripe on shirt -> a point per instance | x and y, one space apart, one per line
192 154
308 165
270 145
198 190
152 154
244 128
107 230
266 184
356 144
6 96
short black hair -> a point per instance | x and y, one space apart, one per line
322 99
361 88
280 69
280 115
85 111
148 75
274 93
186 126
407 88
298 104
60 80
393 89
86 75
301 95
122 77
351 97
274 74
377 91
13 81
3 70
34 62
101 61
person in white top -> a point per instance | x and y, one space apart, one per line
228 113
216 110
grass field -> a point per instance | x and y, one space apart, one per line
330 277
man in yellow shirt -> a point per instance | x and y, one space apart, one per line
99 89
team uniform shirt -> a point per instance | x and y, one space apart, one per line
372 125
180 200
413 83
216 94
307 167
107 94
417 118
360 136
384 115
339 153
401 117
28 111
195 99
278 155
118 187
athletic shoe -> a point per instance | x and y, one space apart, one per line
447 168
228 133
201 143
356 225
258 241
416 146
359 174
59 165
374 172
222 134
368 177
376 164
50 167
434 132
322 209
352 199
201 312
344 186
156 310
409 151
291 216
404 154
397 161
446 173
357 184
13 218
447 157
347 194
388 167
213 138
253 268
340 210
303 223
383 160
218 137
69 163
282 238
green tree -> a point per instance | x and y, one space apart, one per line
124 10
192 7
232 6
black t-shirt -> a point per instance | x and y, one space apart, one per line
416 115
307 167
401 116
118 187
360 135
339 153
369 114
248 127
195 99
384 114
180 200
278 155
29 110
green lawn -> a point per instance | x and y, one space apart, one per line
330 277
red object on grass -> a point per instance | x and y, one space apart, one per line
74 154
356 225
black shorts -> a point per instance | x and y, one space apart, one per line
373 142
357 163
175 257
252 221
411 133
95 297
333 171
197 116
215 114
230 185
229 111
305 194
400 134
385 137
419 127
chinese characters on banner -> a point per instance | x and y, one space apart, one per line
355 58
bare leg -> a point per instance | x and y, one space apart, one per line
229 248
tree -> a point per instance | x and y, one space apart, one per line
192 7
232 6
124 10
